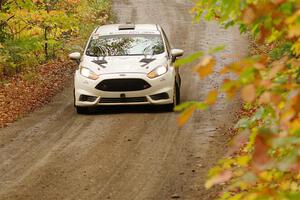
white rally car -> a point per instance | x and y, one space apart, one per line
127 64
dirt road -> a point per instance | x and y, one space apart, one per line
124 153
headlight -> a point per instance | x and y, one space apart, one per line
88 73
158 72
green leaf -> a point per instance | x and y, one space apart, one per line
243 123
247 75
184 105
279 142
202 106
292 195
189 59
258 115
281 50
287 8
216 49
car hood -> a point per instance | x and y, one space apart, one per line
123 64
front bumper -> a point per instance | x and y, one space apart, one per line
161 86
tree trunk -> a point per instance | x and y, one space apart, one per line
46 43
46 35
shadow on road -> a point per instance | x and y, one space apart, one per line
101 110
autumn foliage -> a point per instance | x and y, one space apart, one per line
34 31
35 39
264 162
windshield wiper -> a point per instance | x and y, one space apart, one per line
98 61
146 49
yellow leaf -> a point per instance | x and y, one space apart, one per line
266 176
293 18
298 176
249 93
287 116
243 161
296 47
205 67
212 97
294 31
186 115
295 126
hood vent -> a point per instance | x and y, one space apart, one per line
126 27
146 61
100 62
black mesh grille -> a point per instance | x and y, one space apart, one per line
122 85
124 100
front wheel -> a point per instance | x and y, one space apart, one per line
176 98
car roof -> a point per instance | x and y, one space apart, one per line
116 29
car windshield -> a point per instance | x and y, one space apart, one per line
125 45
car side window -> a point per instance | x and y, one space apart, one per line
167 42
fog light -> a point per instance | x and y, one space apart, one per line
86 98
160 96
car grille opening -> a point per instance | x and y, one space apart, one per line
123 85
124 100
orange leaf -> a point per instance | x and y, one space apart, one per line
295 102
212 97
186 115
266 84
230 91
264 33
278 1
265 98
220 178
275 70
225 70
260 154
249 15
239 141
276 99
277 67
259 66
249 93
205 67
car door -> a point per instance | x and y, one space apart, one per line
171 59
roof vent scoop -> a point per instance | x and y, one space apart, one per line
127 27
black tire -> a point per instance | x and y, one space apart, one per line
82 110
178 96
74 98
170 107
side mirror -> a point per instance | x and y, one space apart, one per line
75 56
176 53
